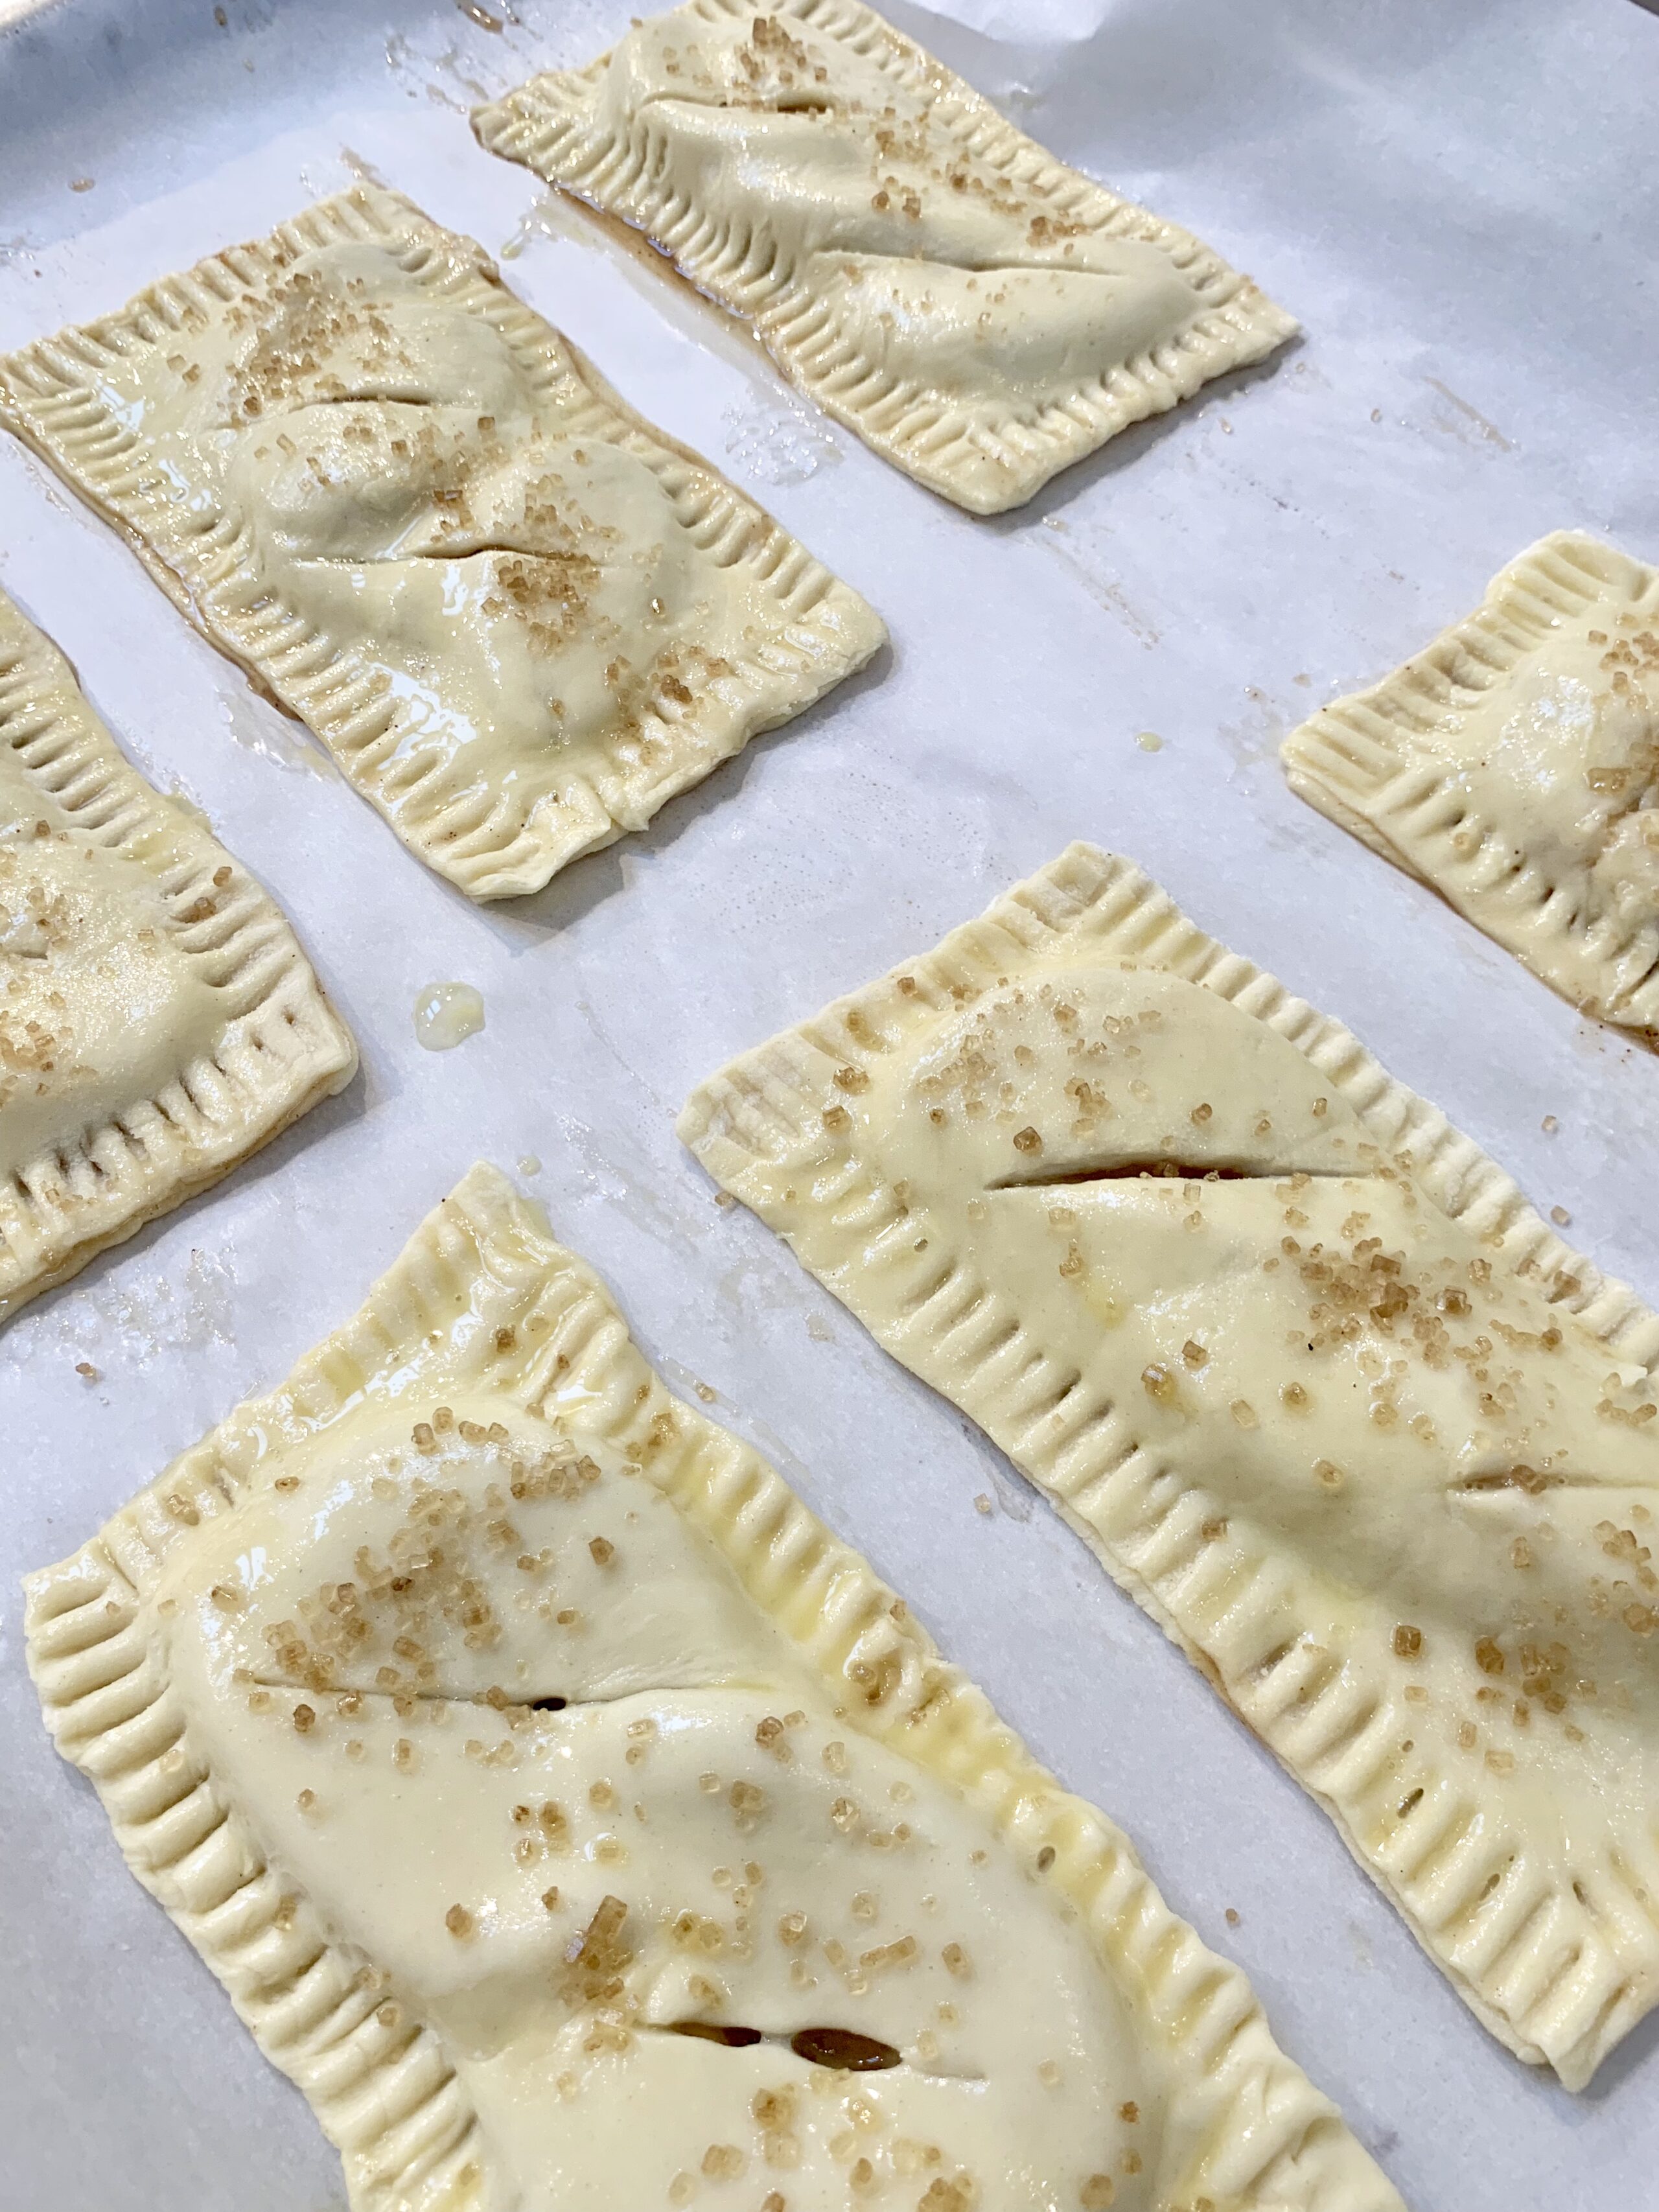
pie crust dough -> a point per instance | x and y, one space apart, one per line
158 1019
1514 766
519 616
1304 1368
979 313
302 1670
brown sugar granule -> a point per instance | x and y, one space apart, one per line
1130 2112
723 2162
84 1367
956 1961
1097 2192
1244 1413
305 1718
1027 1140
1488 1656
550 1900
1193 1354
773 2109
601 1549
458 1921
1407 1641
306 1800
904 1953
1158 1384
595 1944
1328 1474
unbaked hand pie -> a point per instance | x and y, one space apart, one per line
582 1826
158 1019
976 312
1321 1390
1514 766
519 617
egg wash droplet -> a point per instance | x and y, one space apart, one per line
446 1014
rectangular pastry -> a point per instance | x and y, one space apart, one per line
1304 1368
580 1824
158 1019
519 617
980 314
1513 765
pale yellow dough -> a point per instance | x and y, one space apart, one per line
980 314
316 1670
1311 1377
158 1019
519 617
1514 765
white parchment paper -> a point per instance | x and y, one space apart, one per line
1458 198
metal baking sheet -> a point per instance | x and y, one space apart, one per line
1460 203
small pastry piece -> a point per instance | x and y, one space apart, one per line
158 1019
1514 767
1318 1387
980 314
519 617
580 1824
